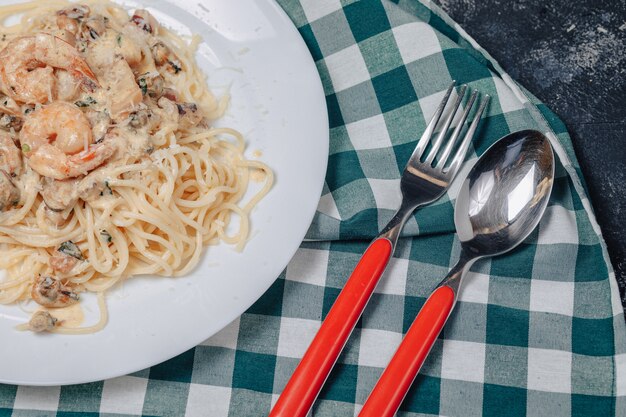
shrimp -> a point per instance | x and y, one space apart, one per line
10 155
50 292
62 263
27 67
122 80
129 49
59 122
57 141
115 75
66 87
59 195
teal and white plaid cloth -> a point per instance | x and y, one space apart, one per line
537 332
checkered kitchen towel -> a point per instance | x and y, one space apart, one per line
537 332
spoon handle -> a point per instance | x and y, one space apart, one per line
311 373
395 381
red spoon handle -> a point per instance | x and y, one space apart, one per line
309 376
395 381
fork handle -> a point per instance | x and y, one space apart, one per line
307 380
395 381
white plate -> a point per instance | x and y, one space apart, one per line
251 48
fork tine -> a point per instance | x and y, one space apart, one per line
428 133
460 154
444 130
457 131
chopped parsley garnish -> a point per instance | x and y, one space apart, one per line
107 190
71 249
175 66
106 236
81 46
143 85
88 101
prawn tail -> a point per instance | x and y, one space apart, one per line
81 71
83 162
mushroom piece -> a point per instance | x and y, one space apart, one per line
93 28
189 116
185 114
145 21
50 292
9 193
59 195
42 321
163 56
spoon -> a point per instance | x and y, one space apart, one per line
500 203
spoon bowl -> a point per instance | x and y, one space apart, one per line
505 194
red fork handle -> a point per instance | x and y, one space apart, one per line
395 381
307 380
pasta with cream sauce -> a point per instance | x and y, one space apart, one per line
109 164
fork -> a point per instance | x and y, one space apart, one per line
425 179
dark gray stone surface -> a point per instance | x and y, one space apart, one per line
572 55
